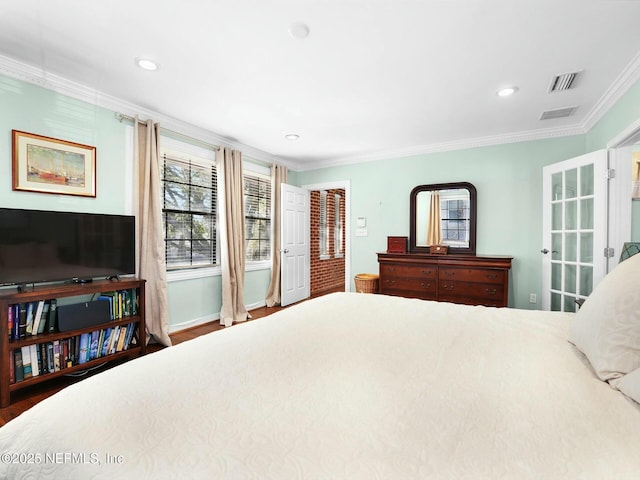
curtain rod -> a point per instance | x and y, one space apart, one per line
122 116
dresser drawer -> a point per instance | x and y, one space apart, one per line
396 271
450 291
479 275
425 287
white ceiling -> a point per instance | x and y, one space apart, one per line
374 78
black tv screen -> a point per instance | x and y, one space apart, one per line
44 246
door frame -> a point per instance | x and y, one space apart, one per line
620 188
346 186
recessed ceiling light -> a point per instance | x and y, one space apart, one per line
146 64
292 136
505 92
299 30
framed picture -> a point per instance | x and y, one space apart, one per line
48 165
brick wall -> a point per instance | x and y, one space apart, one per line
326 273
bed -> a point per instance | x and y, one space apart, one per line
357 386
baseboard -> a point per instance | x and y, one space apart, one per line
196 322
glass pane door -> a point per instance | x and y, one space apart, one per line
573 230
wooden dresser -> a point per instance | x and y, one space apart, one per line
468 279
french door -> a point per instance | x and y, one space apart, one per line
574 223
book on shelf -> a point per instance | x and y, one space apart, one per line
44 320
121 338
66 354
35 367
37 317
50 354
42 358
56 356
130 329
12 366
10 321
26 362
22 320
93 349
29 323
18 369
114 338
52 324
85 345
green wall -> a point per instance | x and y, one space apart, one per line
618 118
33 109
508 179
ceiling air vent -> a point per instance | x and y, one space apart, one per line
558 113
563 82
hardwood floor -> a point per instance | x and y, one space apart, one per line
24 399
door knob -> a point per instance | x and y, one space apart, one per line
286 250
544 250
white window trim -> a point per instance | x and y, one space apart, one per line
254 265
181 150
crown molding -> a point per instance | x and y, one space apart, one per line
37 76
621 85
477 142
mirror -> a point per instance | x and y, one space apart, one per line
452 206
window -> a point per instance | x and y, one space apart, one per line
455 220
337 226
257 216
189 191
324 226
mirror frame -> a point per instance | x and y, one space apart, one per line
473 200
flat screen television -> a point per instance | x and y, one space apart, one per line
39 246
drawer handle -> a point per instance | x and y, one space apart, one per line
425 285
491 292
427 272
390 282
450 274
492 276
449 287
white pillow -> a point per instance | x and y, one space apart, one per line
607 326
630 385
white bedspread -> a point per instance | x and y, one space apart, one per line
347 386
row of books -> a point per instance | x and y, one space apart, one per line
49 357
34 318
31 318
123 303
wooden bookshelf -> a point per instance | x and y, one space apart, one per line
11 297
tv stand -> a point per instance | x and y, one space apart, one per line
126 330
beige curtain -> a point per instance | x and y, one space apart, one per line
233 242
150 248
279 174
434 228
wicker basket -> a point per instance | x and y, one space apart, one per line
366 283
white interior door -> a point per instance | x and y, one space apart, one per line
294 274
574 229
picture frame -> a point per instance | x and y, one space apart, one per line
50 165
